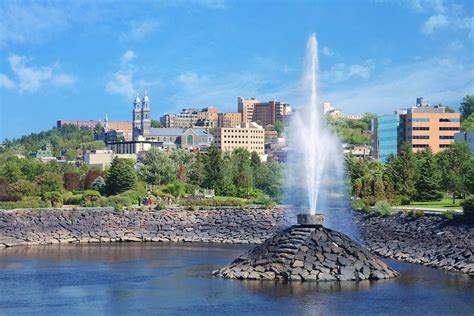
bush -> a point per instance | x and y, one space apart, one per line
468 207
175 188
383 208
53 197
449 214
9 198
90 198
227 201
116 201
404 200
159 193
160 206
418 213
358 205
72 199
26 202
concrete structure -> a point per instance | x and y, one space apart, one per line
187 118
421 126
207 117
103 158
359 151
328 109
267 113
248 135
229 119
466 137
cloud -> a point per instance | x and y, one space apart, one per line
6 82
326 51
440 80
435 22
122 81
32 78
341 72
139 30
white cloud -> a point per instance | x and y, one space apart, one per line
342 72
6 82
32 78
435 22
326 51
439 80
128 56
140 29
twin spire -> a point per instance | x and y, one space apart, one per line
144 101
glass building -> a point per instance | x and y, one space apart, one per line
388 134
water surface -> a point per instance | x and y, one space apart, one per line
157 278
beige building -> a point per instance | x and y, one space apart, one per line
229 119
248 135
103 158
207 117
267 113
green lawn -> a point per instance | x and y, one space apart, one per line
444 203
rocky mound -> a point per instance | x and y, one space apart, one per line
307 254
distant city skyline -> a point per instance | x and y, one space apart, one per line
80 60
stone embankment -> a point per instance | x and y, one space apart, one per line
307 254
94 225
429 240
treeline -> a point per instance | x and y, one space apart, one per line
351 131
65 140
409 176
169 175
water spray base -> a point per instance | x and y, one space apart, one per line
310 220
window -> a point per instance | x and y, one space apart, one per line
446 137
449 120
421 137
417 128
419 120
420 145
444 145
449 128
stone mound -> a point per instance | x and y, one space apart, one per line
307 254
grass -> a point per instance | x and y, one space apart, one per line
444 203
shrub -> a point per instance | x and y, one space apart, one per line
9 198
228 201
160 206
99 185
468 207
23 188
117 202
54 197
26 202
418 213
358 204
159 193
383 208
90 198
175 188
449 214
404 200
72 199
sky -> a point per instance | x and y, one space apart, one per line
83 59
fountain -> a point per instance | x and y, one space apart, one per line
308 251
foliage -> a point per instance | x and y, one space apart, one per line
90 177
156 124
121 176
468 124
117 202
72 181
99 185
383 208
402 169
158 168
90 198
176 189
227 201
428 182
449 214
72 199
467 106
468 207
26 202
351 131
49 181
279 128
358 204
23 188
53 197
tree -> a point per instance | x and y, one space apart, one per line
467 106
279 127
158 168
49 181
213 169
99 185
53 197
72 181
121 176
402 170
428 182
156 124
468 124
198 173
11 170
90 177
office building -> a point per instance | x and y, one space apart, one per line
267 113
229 119
248 135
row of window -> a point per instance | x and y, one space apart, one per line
449 128
423 119
428 137
242 130
426 145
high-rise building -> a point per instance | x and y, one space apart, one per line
421 126
267 113
187 118
248 135
207 117
229 119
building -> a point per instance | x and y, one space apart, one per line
359 151
134 147
421 126
120 126
141 117
103 158
466 137
207 117
248 135
187 118
229 119
328 109
267 113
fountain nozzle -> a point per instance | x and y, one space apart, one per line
310 220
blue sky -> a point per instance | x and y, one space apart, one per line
82 59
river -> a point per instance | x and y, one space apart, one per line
175 279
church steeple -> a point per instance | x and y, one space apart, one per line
146 116
137 118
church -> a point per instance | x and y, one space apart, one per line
141 120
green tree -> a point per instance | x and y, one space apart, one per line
467 106
158 168
198 172
99 185
402 169
121 176
279 128
11 171
468 124
213 169
49 181
156 124
23 188
428 182
53 197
